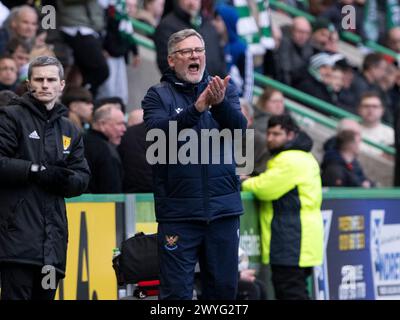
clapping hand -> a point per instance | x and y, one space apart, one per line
213 94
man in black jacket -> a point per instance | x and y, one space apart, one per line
186 14
138 177
108 127
41 162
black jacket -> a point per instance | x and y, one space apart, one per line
104 162
137 171
178 20
336 172
317 89
33 223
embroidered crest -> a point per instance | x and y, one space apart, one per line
66 142
171 242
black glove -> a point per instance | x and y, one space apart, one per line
54 178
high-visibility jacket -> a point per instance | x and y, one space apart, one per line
290 217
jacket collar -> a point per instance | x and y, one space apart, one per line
170 77
39 109
301 142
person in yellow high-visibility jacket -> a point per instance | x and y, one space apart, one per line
291 222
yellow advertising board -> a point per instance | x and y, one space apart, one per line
92 237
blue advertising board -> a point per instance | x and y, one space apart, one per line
362 250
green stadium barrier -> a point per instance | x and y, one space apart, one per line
98 223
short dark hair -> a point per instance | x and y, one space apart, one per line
14 43
43 61
344 138
371 60
76 94
285 121
370 94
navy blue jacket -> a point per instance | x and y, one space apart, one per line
193 191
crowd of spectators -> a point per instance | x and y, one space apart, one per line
94 40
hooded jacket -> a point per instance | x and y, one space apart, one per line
178 20
184 192
33 222
290 216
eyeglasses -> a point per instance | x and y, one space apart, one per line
188 52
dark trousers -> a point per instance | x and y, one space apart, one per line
214 245
290 282
24 282
88 55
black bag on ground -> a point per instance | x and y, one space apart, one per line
139 260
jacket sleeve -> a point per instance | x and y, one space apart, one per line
228 113
12 170
79 181
273 183
157 116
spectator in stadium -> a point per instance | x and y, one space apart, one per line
22 24
151 12
20 51
332 46
40 47
138 176
346 98
79 102
344 124
336 83
186 14
371 111
294 51
340 167
204 198
270 103
239 60
81 23
6 96
115 101
261 154
321 35
393 43
41 162
387 85
291 223
100 141
373 71
317 80
8 74
118 45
